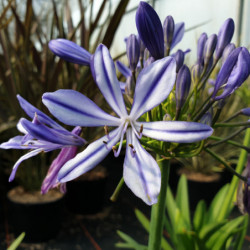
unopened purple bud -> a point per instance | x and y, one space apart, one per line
179 30
133 51
224 37
183 83
227 51
142 47
209 48
168 30
70 51
245 111
150 29
196 72
207 118
179 58
149 61
200 47
233 72
167 117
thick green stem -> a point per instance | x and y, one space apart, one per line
157 211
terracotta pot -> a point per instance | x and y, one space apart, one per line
85 195
37 215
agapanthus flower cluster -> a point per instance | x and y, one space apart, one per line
161 114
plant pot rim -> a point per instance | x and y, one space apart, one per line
21 196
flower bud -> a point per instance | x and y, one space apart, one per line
179 58
207 118
233 72
196 72
224 37
150 30
209 48
142 47
183 83
200 47
167 117
133 51
179 30
70 51
245 111
168 30
226 52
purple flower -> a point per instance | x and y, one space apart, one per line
183 83
233 73
168 30
200 48
41 135
133 51
154 83
209 48
224 37
150 30
227 51
70 51
66 154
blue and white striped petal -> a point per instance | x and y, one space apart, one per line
153 86
31 111
44 133
70 51
25 157
106 79
75 109
175 131
90 157
141 172
123 69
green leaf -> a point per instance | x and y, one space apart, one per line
129 242
199 215
219 238
216 205
209 229
182 201
143 219
17 242
241 235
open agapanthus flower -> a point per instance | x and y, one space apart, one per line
42 135
154 83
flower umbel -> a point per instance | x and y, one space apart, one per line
154 83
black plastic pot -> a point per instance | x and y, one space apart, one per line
39 221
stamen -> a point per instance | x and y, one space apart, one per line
114 148
141 129
106 131
116 154
138 135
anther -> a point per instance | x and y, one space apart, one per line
141 129
114 149
106 130
130 145
105 142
